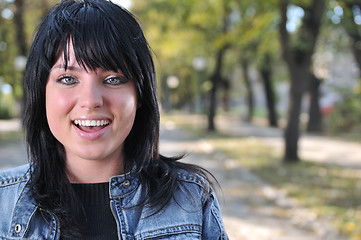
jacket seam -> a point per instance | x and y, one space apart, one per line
13 181
204 186
198 180
148 235
21 176
218 219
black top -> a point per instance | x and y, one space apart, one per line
99 223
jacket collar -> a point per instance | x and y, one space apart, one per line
121 186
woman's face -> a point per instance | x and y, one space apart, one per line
90 112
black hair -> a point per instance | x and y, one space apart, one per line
103 35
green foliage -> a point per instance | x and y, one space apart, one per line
345 117
5 112
6 101
34 10
8 53
179 31
9 49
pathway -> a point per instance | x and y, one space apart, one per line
252 210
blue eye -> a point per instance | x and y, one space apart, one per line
67 80
114 81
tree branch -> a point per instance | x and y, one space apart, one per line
286 51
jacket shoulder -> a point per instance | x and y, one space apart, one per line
192 178
14 175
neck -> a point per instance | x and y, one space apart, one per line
93 171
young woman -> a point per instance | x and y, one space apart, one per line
92 130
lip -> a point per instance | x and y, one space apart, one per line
94 135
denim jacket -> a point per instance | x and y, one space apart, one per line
188 216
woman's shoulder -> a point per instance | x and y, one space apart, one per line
196 182
192 177
14 175
16 205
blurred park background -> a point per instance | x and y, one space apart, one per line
256 80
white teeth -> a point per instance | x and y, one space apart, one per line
91 123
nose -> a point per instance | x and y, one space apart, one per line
90 95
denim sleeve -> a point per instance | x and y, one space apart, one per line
213 227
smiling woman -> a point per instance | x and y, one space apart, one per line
92 132
77 98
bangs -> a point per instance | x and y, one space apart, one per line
96 40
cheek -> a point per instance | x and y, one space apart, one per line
129 103
58 100
124 107
124 101
58 106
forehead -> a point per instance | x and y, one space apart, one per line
66 56
73 56
69 62
99 34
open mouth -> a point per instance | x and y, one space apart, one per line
91 125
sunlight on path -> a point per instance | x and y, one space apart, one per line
311 148
252 210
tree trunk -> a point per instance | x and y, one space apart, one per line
298 58
22 46
19 23
165 95
353 30
315 117
299 78
226 84
248 83
356 50
216 78
266 73
292 131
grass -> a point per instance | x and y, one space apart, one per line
329 191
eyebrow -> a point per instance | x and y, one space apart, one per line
69 67
79 69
